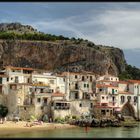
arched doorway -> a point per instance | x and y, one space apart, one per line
128 110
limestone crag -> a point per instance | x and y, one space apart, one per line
62 55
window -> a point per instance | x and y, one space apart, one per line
30 89
116 79
135 99
16 79
129 98
100 89
45 100
83 78
76 86
24 108
28 80
11 78
111 78
76 95
38 100
127 89
87 77
107 110
41 90
91 105
80 105
75 76
91 78
107 97
113 99
0 80
103 97
87 85
122 99
86 95
103 112
84 85
7 79
112 91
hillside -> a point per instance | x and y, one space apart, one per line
59 53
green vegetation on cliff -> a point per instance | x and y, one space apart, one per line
31 36
51 52
131 72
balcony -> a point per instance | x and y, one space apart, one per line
62 107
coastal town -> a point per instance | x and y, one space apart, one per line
30 92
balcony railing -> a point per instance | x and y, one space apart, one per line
61 107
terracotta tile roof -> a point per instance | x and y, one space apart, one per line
3 75
134 81
104 81
78 73
123 82
124 92
59 75
19 68
102 86
57 94
40 85
20 84
97 106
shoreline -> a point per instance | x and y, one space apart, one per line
9 127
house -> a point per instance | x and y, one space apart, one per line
60 108
80 92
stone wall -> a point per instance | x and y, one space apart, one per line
25 112
61 113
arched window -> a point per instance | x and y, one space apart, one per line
122 99
129 98
135 99
83 78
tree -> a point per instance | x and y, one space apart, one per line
3 111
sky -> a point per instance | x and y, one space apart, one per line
107 23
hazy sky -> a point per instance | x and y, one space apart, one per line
106 23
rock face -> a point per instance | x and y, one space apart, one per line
62 55
73 54
16 27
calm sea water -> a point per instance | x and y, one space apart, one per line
110 132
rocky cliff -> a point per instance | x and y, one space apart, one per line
60 55
17 28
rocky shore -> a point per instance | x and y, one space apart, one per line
104 123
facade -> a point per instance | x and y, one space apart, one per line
28 91
114 96
80 92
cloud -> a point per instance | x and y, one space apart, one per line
119 28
